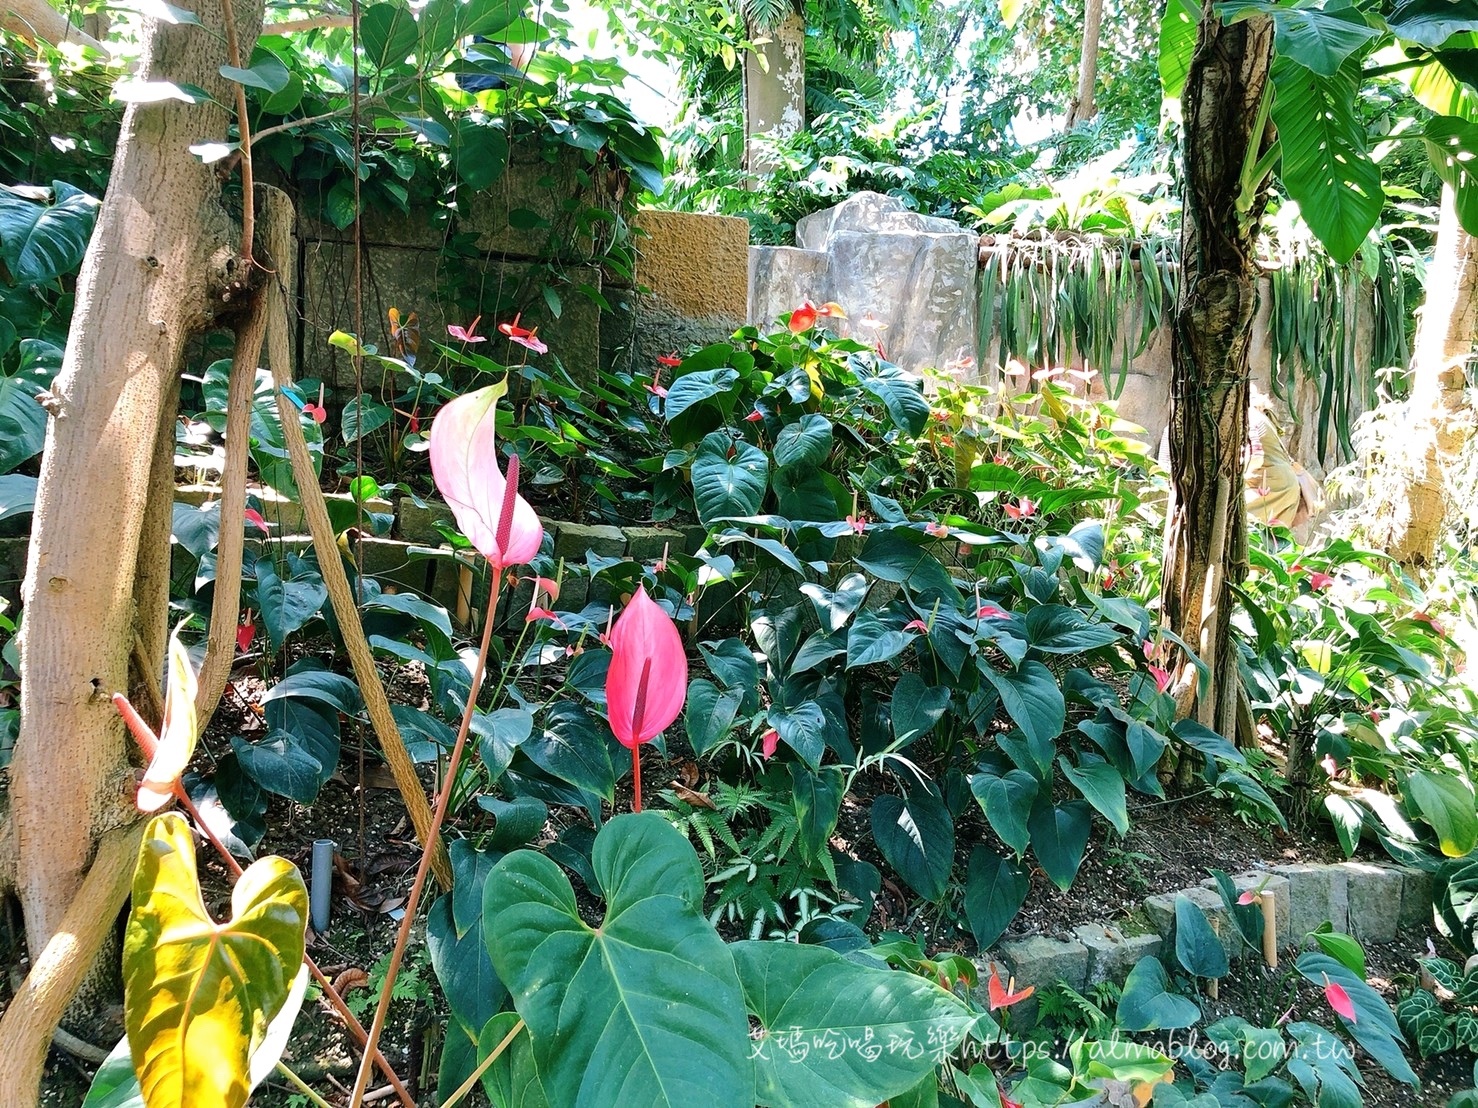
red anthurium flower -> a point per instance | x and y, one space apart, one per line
1022 509
936 530
1001 996
528 339
917 625
316 412
254 517
1006 1101
769 743
468 333
537 613
246 632
990 611
169 752
464 461
1162 677
1318 581
648 678
803 318
1339 1000
754 416
671 361
999 459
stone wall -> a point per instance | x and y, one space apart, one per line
919 277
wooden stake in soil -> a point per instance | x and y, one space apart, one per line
1269 929
1213 984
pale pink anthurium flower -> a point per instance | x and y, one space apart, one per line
464 461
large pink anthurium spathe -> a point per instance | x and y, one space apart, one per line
647 682
464 461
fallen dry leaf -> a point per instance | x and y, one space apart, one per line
351 978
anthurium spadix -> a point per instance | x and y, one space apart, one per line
464 462
169 752
648 678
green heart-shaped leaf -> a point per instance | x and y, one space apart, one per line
643 1009
197 995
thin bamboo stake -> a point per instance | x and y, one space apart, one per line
1269 928
277 212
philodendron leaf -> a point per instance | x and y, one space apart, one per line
198 996
643 1009
1196 944
1149 1005
805 996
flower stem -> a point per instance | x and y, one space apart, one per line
636 776
443 802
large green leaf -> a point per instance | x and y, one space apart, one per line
41 242
1102 786
280 764
1059 837
1447 804
1374 1026
287 604
870 640
709 713
389 34
1430 23
995 890
884 1030
1452 147
572 746
901 393
1058 629
1006 800
1148 1004
1196 945
1321 39
645 1008
1032 698
463 968
1326 166
729 477
802 728
22 419
817 797
916 707
917 837
901 556
198 996
1177 43
805 442
696 388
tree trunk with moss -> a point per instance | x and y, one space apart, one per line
162 266
1225 132
1408 499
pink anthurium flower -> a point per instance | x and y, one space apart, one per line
528 339
917 625
990 611
1339 1000
468 333
936 530
648 678
498 522
254 517
769 743
169 752
1319 581
832 310
754 416
316 412
1162 677
1022 509
1251 896
857 522
246 633
548 587
537 613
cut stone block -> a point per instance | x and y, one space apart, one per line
1374 897
1316 893
1043 962
574 540
645 544
1416 898
1112 953
417 524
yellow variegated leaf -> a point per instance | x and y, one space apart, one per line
197 995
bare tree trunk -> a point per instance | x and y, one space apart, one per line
1408 499
1205 531
1083 107
162 265
774 89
